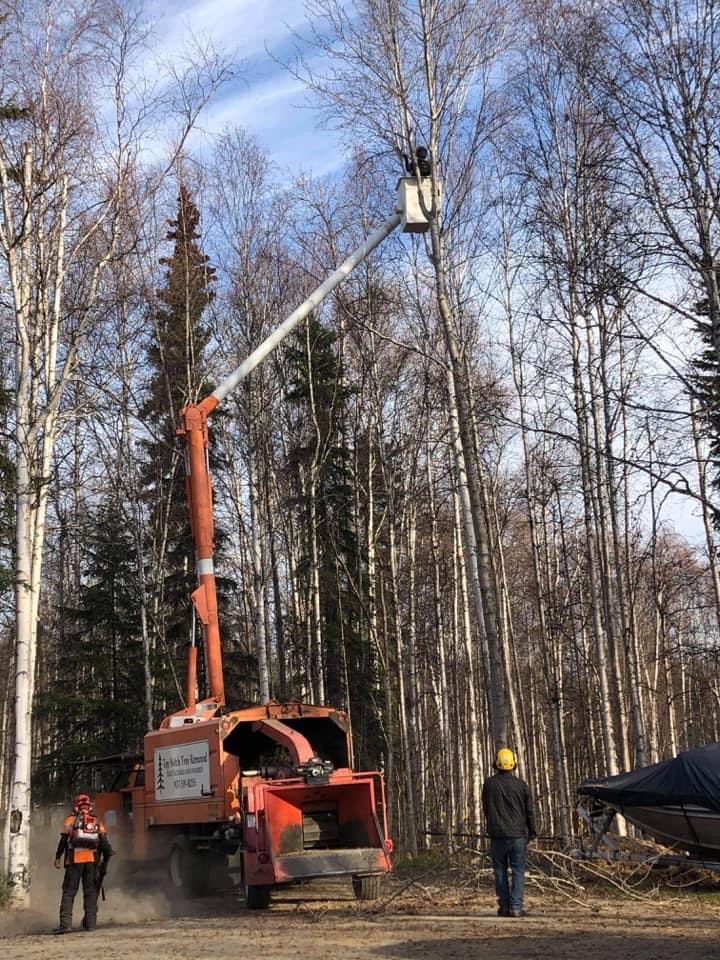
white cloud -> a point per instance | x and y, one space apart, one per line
258 106
246 26
273 112
265 100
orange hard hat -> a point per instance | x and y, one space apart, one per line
81 800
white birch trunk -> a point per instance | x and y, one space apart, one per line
599 635
443 698
317 675
416 715
258 580
406 727
468 528
19 265
474 766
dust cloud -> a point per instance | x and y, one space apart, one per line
128 900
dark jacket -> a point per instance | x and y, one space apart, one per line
508 806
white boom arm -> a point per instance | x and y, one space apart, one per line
305 308
414 202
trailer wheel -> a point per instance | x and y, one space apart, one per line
257 898
184 868
366 888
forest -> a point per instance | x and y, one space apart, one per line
473 500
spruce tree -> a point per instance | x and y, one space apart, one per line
10 113
96 695
178 378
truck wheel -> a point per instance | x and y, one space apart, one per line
184 868
257 898
366 888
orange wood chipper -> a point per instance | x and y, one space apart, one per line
272 782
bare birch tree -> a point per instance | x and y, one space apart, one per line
659 81
571 157
418 73
66 176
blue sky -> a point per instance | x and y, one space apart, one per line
265 99
268 102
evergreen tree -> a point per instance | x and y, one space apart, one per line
178 378
706 385
10 113
96 696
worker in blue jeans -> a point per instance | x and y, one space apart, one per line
510 820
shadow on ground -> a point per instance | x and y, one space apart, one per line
536 945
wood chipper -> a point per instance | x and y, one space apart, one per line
272 782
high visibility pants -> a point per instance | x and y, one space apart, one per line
75 873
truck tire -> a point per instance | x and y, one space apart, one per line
366 888
257 898
184 868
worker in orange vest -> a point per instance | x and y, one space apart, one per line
83 844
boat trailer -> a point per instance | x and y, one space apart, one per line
599 819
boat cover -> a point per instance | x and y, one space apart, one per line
692 777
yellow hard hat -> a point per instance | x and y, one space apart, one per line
505 759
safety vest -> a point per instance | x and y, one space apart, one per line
83 831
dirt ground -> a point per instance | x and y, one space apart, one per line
324 921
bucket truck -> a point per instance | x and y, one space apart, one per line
203 789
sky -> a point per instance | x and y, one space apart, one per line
272 106
264 99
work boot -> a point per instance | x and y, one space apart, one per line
517 913
59 930
503 912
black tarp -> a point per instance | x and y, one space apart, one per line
693 777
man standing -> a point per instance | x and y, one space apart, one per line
510 821
83 843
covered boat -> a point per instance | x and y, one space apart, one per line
677 802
